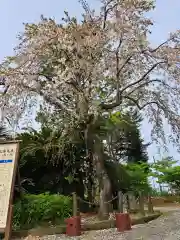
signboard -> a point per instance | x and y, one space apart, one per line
8 163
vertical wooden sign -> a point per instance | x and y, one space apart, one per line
9 151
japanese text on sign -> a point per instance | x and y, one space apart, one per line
7 164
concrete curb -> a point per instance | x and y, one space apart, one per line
42 231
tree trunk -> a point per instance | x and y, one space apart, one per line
79 186
90 194
141 203
104 181
150 205
90 182
134 203
128 202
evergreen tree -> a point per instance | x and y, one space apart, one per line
124 140
137 152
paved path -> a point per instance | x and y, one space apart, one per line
166 227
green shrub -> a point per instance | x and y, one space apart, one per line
35 210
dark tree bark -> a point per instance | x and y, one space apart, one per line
104 181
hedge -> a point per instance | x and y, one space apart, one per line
36 210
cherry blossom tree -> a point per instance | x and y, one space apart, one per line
82 70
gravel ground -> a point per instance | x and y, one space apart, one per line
166 227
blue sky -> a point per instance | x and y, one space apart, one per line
13 13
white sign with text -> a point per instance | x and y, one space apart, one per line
8 153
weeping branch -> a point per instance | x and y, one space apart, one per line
141 107
119 99
142 78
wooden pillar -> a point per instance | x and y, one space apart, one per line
75 205
133 202
150 205
120 202
127 202
125 206
141 203
8 229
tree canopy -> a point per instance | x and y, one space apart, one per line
103 62
167 172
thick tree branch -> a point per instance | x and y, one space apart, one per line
106 11
144 84
49 99
3 84
5 90
163 43
117 70
142 78
49 78
144 105
126 61
111 105
119 99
